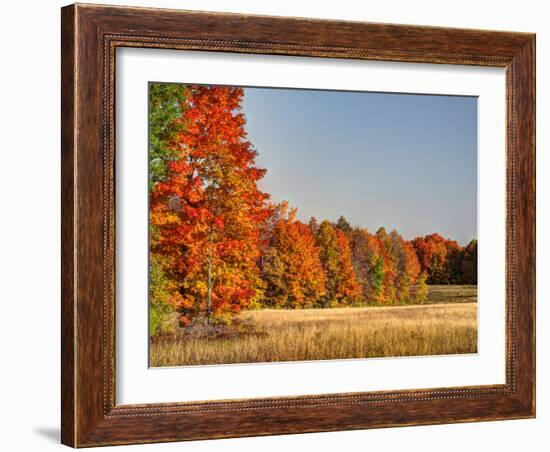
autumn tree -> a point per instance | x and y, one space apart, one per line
443 260
291 268
313 225
362 257
342 287
378 278
368 264
432 255
469 264
388 294
386 265
349 289
217 244
209 210
406 267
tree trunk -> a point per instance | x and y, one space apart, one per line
209 295
209 279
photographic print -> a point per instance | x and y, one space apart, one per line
297 224
269 203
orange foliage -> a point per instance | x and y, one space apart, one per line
291 266
222 247
207 213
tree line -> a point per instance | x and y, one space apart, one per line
218 244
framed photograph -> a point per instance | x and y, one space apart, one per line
281 225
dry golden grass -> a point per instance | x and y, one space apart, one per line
451 294
313 334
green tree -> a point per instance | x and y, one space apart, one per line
422 289
166 104
165 111
390 272
343 225
161 310
453 262
378 277
329 255
469 263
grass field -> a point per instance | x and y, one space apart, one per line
451 294
447 324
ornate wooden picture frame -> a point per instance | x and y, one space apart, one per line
90 37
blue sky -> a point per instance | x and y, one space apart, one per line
400 161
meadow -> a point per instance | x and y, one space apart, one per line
445 324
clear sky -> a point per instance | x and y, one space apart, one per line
400 161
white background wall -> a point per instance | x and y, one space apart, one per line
29 225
